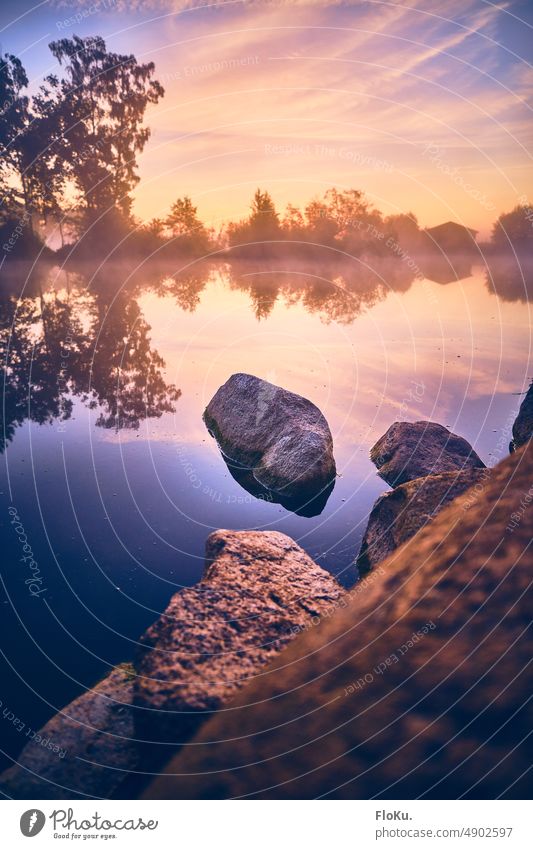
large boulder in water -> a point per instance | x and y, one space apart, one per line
410 450
258 591
523 426
283 438
418 688
400 513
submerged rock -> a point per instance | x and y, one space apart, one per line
82 752
258 590
281 437
308 505
399 514
410 450
523 425
419 687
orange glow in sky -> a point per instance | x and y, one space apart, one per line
424 106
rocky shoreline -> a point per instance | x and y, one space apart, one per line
250 643
428 467
257 588
418 688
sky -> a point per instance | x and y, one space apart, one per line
424 105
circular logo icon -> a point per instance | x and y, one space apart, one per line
32 822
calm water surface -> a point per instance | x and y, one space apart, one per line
117 482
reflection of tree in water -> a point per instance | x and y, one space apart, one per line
125 377
26 363
88 338
56 345
510 277
185 288
337 291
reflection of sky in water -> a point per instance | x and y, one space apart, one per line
118 521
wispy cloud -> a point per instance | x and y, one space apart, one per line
191 5
343 83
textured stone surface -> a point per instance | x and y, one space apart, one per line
84 751
399 514
281 436
410 450
523 425
257 590
337 715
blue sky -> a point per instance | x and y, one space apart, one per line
424 105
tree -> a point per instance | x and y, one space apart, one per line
321 224
43 153
293 224
155 227
13 123
99 106
347 207
514 229
337 216
404 230
238 232
183 223
262 225
85 129
264 221
28 132
13 110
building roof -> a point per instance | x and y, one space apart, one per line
450 225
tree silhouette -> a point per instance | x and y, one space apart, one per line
514 229
405 231
293 224
262 225
99 106
125 373
13 113
28 133
264 220
32 385
183 223
56 347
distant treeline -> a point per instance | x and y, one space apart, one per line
69 161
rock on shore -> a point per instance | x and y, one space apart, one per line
417 688
281 436
399 514
410 450
258 590
82 752
523 425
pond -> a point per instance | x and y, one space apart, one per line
114 477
